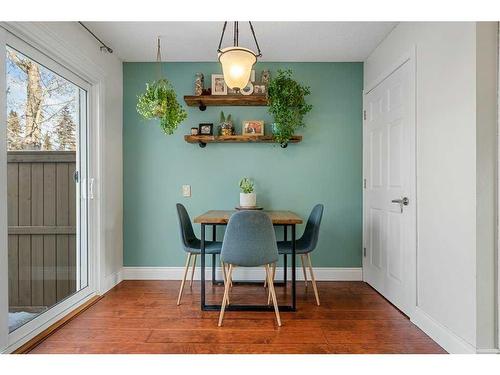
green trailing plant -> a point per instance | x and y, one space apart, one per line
160 101
287 105
246 185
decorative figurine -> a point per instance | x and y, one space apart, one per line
265 77
199 84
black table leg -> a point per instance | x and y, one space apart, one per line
285 258
202 267
214 259
294 296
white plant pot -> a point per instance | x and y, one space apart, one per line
248 200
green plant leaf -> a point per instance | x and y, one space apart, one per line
159 101
287 105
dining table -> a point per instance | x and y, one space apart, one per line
214 218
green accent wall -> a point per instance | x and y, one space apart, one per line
326 167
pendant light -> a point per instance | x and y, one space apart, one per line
236 61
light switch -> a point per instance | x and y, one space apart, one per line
186 190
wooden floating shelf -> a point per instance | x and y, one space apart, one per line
203 101
202 140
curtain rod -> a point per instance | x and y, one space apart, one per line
103 47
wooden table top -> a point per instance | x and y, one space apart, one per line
222 217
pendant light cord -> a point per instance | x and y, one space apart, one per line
236 32
255 39
158 58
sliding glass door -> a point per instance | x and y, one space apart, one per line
48 187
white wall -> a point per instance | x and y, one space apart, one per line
446 174
111 182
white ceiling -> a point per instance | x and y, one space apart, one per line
279 41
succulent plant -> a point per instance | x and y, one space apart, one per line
246 185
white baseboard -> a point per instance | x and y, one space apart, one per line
488 351
450 342
257 273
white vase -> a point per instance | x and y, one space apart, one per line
248 200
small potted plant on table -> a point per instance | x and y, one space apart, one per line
247 194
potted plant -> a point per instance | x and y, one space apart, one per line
226 124
160 101
286 98
247 194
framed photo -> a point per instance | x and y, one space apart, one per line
206 129
219 87
253 127
259 89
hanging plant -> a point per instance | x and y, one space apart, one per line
159 101
286 98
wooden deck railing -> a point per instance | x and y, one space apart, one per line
41 226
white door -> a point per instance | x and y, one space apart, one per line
389 194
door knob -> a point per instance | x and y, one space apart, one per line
402 202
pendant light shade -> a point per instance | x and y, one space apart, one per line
237 64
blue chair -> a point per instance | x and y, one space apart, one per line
306 244
249 241
191 245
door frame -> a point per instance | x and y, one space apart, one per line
53 46
411 254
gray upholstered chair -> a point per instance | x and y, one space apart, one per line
249 241
306 244
191 245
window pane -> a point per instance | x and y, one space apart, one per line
42 107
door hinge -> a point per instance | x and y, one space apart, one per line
364 252
364 115
76 177
364 183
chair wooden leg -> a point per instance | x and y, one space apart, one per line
192 272
230 279
224 276
265 281
303 261
273 294
273 276
184 278
226 295
313 279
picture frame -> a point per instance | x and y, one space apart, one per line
206 129
219 87
252 127
259 89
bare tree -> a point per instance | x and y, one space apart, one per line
39 88
34 99
14 136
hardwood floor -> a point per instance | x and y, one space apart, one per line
142 317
